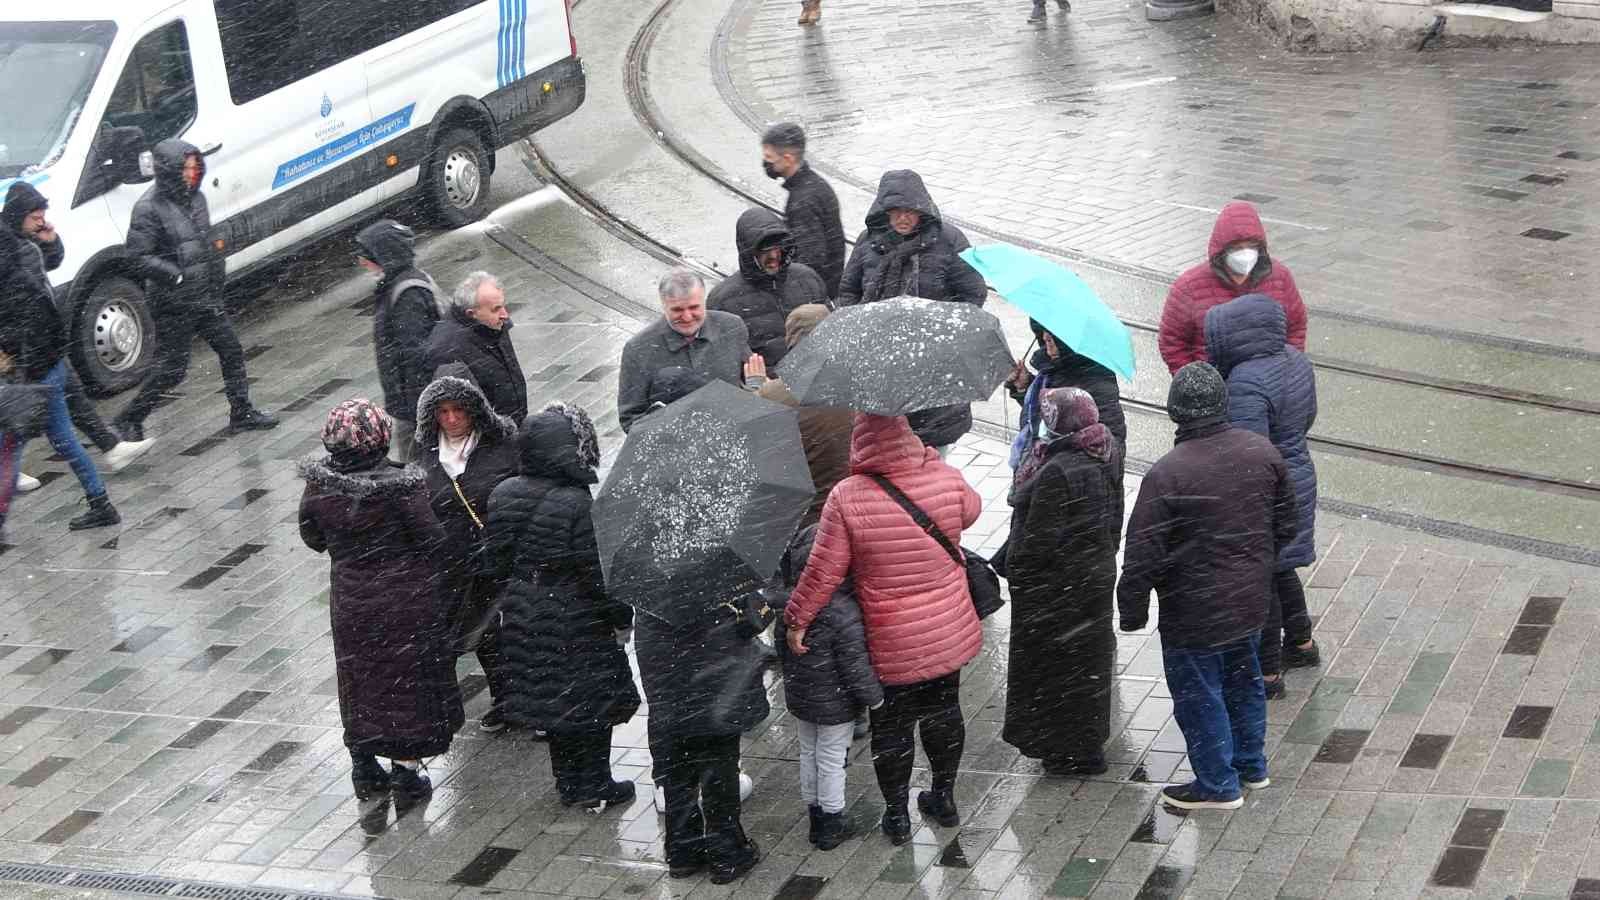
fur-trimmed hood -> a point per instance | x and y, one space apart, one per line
382 480
454 383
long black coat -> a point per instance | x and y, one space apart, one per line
564 671
703 677
1272 390
1211 517
1062 569
466 578
812 214
924 264
490 356
764 301
169 235
398 696
404 312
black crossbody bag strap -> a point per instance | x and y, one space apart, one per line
920 517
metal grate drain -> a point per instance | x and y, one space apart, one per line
149 884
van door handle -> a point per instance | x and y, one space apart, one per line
208 149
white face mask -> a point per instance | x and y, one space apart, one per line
1243 260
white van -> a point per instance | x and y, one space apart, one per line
310 113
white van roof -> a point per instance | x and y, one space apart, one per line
90 10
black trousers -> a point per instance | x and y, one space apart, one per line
581 763
1288 620
700 776
85 416
175 334
935 705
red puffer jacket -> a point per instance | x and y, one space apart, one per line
1183 319
919 618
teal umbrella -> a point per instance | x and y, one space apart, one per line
1057 299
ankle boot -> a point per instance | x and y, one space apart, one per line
833 829
897 825
815 812
940 806
1037 15
100 514
367 775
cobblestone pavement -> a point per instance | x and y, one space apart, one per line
1454 188
169 705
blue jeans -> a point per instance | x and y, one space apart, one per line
1220 703
59 429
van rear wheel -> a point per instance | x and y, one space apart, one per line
457 180
116 337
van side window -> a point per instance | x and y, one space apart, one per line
269 44
156 89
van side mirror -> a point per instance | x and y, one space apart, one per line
113 160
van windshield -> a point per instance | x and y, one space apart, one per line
46 71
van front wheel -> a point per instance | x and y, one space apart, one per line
116 337
457 180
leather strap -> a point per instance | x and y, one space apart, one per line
921 518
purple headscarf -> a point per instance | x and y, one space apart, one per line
1068 418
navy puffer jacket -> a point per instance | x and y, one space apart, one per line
1272 390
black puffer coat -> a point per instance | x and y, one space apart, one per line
398 696
564 671
32 331
169 236
489 354
764 301
704 677
833 682
1272 390
406 307
468 584
924 264
812 214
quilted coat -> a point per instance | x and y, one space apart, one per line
392 637
564 671
1272 390
1182 336
914 600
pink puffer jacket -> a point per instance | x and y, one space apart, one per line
919 618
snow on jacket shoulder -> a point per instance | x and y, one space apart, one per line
1182 337
919 617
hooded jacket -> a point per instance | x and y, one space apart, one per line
824 430
564 671
405 310
469 585
1071 369
1182 336
21 199
169 237
32 330
914 599
1272 391
925 263
764 300
1211 518
398 695
833 681
490 356
812 214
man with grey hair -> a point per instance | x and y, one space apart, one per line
476 334
687 336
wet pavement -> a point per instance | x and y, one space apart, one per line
169 708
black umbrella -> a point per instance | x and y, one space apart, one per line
701 503
899 356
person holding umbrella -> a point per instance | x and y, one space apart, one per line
920 622
908 249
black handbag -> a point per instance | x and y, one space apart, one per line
982 582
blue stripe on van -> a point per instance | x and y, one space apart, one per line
341 147
502 54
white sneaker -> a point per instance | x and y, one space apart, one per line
125 452
661 800
27 483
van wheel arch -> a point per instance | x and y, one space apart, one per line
113 333
456 174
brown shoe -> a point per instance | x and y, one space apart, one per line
810 12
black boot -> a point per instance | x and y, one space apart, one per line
939 806
367 775
613 793
100 514
409 785
897 826
251 419
1037 15
815 812
744 859
833 829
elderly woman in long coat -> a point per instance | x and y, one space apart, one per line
1062 562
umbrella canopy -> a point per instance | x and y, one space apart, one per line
899 356
1058 299
701 503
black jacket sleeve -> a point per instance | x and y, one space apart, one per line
500 531
850 286
633 388
1145 556
144 245
310 531
411 324
1285 509
54 252
961 281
